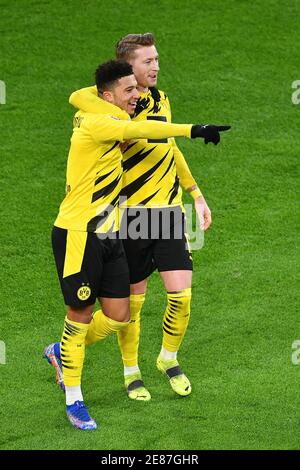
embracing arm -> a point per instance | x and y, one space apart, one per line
156 130
86 99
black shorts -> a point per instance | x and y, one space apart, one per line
89 267
162 243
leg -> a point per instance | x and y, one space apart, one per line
140 262
174 262
55 351
129 339
72 352
175 322
139 287
112 317
80 315
113 296
176 280
78 257
116 309
114 313
72 348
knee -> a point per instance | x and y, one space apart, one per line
124 316
139 287
80 315
180 300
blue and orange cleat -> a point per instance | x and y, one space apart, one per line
79 416
52 355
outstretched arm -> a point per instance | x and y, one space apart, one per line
106 128
155 130
87 100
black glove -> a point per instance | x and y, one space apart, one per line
209 132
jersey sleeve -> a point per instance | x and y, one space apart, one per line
169 106
104 128
87 100
156 130
186 178
107 128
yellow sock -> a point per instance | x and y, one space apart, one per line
129 337
72 351
176 319
102 326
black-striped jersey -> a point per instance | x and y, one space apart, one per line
154 171
150 178
94 173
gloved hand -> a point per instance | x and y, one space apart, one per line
209 132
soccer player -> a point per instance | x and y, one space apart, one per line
153 173
89 255
72 253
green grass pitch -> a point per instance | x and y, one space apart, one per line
231 62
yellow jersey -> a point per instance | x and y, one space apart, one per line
94 168
94 174
154 170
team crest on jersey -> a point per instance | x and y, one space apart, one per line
84 292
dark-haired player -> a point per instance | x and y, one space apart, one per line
89 255
154 172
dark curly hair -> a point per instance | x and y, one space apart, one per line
108 74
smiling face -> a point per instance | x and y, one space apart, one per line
145 66
123 94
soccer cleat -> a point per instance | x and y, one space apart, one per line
178 380
52 355
79 416
135 387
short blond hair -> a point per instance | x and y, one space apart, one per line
127 45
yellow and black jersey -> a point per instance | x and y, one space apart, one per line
153 169
94 168
150 177
94 174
